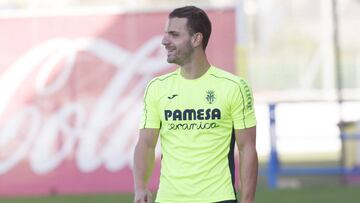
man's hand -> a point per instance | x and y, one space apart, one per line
143 196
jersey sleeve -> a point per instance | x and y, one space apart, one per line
150 115
242 106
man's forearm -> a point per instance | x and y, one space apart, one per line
144 159
248 174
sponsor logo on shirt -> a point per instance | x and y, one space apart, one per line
208 115
193 126
192 114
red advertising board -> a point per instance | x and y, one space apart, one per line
71 91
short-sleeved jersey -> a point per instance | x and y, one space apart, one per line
197 119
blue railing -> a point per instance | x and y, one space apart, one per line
275 169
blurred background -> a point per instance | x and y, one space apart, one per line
73 72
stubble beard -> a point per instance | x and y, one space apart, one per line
180 58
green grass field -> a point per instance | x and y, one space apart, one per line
295 189
313 194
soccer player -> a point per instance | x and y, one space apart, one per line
199 111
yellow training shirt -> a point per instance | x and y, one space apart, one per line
197 119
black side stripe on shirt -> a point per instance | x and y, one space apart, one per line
231 159
147 92
242 95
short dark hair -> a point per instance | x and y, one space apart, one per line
197 21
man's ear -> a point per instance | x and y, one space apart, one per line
197 39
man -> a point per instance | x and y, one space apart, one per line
199 111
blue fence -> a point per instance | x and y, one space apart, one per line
275 168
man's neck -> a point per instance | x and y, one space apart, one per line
195 68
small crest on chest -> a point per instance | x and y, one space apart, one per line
210 96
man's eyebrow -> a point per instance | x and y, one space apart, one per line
171 32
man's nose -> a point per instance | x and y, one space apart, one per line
164 40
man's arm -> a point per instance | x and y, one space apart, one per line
144 159
248 163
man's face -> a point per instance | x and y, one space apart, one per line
177 41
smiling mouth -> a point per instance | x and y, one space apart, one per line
170 52
170 49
